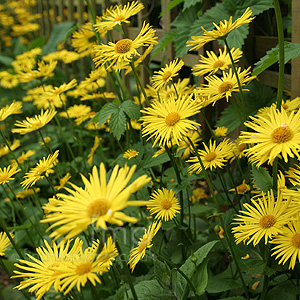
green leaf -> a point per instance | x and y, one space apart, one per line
238 7
9 293
117 123
105 112
162 273
189 3
156 161
163 42
37 43
283 290
70 32
6 60
262 178
58 34
291 51
131 109
200 278
171 5
237 37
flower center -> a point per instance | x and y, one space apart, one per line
40 170
282 134
225 87
210 156
218 64
123 46
267 221
98 208
296 240
166 75
119 19
3 178
172 118
83 268
166 204
284 106
242 147
143 244
169 93
242 188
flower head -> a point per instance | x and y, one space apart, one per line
7 173
99 202
277 134
221 31
4 242
164 204
35 123
14 108
241 189
166 121
130 154
139 252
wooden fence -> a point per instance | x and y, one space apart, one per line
68 10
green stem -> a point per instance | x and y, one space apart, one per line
281 52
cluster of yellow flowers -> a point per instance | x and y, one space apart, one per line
169 109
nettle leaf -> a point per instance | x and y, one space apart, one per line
131 109
101 116
237 37
163 42
262 178
117 123
238 7
291 51
189 3
171 5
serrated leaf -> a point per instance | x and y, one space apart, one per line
163 42
131 109
102 115
262 178
238 7
237 37
291 51
189 3
117 123
57 35
171 5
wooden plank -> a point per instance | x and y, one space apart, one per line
295 76
270 78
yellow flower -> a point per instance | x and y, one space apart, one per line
130 154
117 15
278 134
241 189
34 123
214 156
29 192
163 76
218 88
94 148
198 194
221 131
164 204
14 108
63 181
139 252
239 148
43 168
291 105
76 111
4 150
288 244
23 157
166 121
265 218
185 143
4 242
221 31
99 202
125 49
47 271
7 173
107 254
213 63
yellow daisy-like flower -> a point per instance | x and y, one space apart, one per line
82 267
47 271
221 31
14 108
93 149
221 131
4 242
107 254
214 156
29 192
213 63
264 218
242 188
239 149
125 49
164 204
278 134
288 244
7 173
218 88
185 143
130 154
166 121
117 15
34 123
291 105
139 252
198 194
76 111
4 150
63 181
23 157
99 202
163 76
43 168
